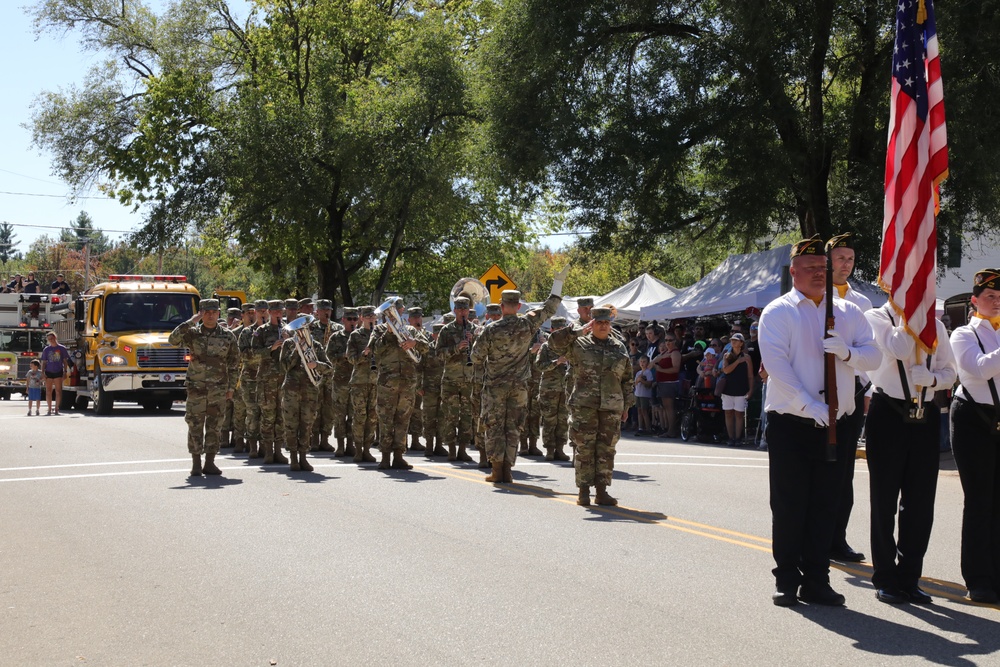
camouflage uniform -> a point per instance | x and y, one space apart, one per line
213 353
248 383
529 436
340 385
363 385
601 392
417 417
505 347
433 366
552 403
299 401
396 389
236 413
455 412
326 411
269 379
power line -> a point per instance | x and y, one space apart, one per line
35 194
33 178
63 227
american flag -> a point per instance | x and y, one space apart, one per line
916 162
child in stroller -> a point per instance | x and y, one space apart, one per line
703 419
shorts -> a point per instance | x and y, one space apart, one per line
34 393
668 389
642 402
53 374
738 403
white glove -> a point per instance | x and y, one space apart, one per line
921 376
560 278
901 343
819 413
836 345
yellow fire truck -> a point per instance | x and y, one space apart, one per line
25 319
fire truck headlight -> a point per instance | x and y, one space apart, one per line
4 368
113 360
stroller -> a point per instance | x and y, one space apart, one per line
703 420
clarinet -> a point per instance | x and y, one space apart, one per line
468 350
374 365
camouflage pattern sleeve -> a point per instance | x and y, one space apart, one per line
562 341
538 316
289 359
232 363
546 359
181 336
356 345
481 347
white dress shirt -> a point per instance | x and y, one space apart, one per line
975 367
791 348
896 344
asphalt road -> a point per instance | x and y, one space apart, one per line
112 556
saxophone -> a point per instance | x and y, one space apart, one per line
298 331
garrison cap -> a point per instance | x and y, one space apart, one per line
209 304
416 311
510 296
350 311
293 304
987 279
841 241
462 302
305 302
437 326
448 317
324 304
557 322
247 307
601 314
367 311
813 246
275 304
261 304
493 309
233 312
585 302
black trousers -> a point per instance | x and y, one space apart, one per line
977 454
805 492
853 424
903 474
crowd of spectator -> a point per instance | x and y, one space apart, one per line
27 284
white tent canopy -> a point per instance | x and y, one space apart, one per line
630 298
740 282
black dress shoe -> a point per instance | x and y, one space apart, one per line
784 598
918 596
892 596
984 595
846 555
815 593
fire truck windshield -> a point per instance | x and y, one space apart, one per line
124 311
22 341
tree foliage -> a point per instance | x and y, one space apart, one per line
8 243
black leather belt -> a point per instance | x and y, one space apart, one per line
805 421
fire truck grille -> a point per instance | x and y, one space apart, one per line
163 358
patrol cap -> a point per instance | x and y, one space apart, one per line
247 307
350 311
813 246
841 241
585 302
601 314
510 296
462 302
209 304
416 311
323 304
292 304
448 317
233 312
367 311
398 303
986 279
437 326
557 322
493 309
305 302
275 304
261 304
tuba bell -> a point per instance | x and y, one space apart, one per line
392 320
298 331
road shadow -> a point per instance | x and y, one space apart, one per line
208 482
521 477
622 514
300 476
962 639
631 477
409 476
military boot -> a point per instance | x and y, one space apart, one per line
463 455
267 449
278 456
497 475
196 465
524 446
210 468
508 477
483 461
439 449
359 456
385 462
399 463
349 450
340 447
237 442
533 449
602 497
415 444
560 455
255 450
224 439
429 451
550 454
294 465
452 456
583 499
366 454
324 443
305 465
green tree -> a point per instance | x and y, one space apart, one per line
81 232
8 243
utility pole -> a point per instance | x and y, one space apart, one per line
86 265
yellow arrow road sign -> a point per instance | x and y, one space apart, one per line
496 281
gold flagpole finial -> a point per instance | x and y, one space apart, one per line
921 12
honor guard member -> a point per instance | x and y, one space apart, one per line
975 437
454 347
840 249
209 381
266 347
363 379
336 352
902 448
396 389
433 366
599 399
504 347
234 323
321 330
552 397
248 378
415 317
300 397
805 486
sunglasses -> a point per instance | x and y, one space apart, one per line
351 319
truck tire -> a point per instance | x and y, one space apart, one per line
5 395
67 400
164 404
103 403
81 402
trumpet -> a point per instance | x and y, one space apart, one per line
396 326
298 331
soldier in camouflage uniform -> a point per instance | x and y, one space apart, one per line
433 366
336 352
228 433
209 382
266 348
291 310
584 306
306 307
552 397
454 348
478 374
248 378
322 329
529 435
300 400
240 408
505 347
416 322
363 384
397 387
599 400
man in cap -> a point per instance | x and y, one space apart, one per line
433 367
321 330
232 318
805 486
305 306
533 411
209 381
266 346
505 347
493 312
237 415
584 306
248 378
415 317
59 285
454 347
478 374
299 398
291 307
234 324
599 399
340 384
552 397
363 385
